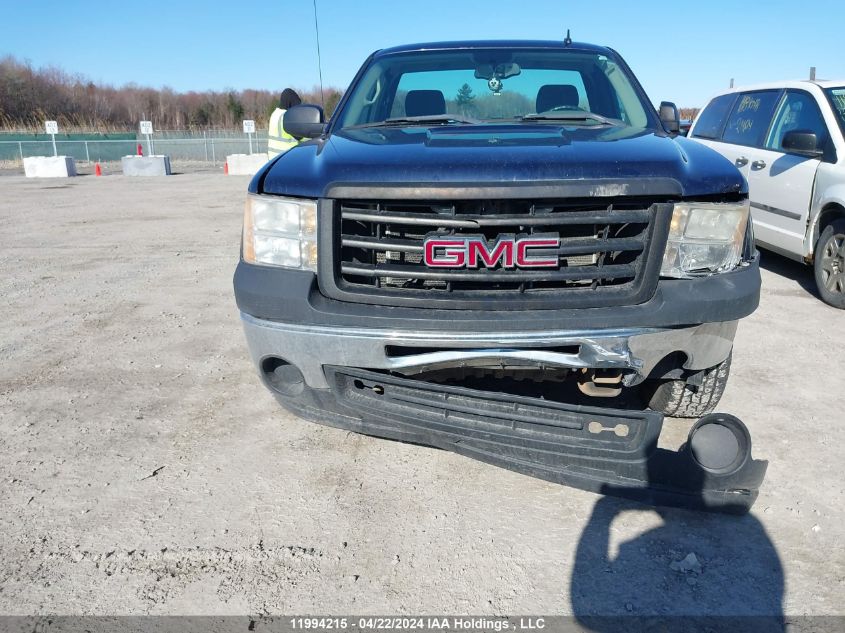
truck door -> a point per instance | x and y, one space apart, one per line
781 184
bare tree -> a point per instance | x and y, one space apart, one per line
28 96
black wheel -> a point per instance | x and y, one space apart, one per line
830 264
679 399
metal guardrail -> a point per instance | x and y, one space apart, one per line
202 149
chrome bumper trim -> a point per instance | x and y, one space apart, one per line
311 348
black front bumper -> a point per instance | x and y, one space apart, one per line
549 440
608 451
289 296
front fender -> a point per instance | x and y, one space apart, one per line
829 192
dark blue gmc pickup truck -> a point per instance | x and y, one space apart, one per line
500 248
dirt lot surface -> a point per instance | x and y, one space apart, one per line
145 469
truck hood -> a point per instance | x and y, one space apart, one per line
608 161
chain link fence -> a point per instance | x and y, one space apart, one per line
209 147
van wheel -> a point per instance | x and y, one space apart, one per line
830 264
679 399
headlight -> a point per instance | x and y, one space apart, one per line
705 238
280 232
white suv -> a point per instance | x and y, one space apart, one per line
788 140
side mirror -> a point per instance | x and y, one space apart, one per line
669 117
802 142
304 121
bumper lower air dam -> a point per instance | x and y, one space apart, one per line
608 451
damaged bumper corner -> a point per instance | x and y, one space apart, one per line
607 451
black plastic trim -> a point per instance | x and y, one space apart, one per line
291 296
548 440
787 214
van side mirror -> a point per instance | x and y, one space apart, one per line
802 142
669 117
304 121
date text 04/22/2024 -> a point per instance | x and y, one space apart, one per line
457 623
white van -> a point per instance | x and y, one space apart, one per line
788 139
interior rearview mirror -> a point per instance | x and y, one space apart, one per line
508 69
304 121
500 71
484 71
669 117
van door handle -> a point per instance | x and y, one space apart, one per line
742 161
758 164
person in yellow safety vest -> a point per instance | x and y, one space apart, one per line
279 141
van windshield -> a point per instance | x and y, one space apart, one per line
582 88
837 100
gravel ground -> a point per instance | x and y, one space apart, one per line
144 469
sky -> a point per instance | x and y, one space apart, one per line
680 51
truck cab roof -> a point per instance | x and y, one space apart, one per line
480 44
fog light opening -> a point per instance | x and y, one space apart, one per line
282 377
719 444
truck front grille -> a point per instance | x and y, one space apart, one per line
604 254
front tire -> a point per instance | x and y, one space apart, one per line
829 264
679 399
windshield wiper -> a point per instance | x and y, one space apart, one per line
443 119
572 116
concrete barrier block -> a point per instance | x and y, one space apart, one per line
245 164
145 165
49 167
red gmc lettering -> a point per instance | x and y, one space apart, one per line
502 250
452 253
524 260
475 252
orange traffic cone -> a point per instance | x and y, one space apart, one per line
226 168
98 171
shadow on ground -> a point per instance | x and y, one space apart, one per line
790 269
720 572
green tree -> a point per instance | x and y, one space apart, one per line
464 99
202 115
235 107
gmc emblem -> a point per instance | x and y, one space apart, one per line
509 251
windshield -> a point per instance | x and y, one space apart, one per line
494 85
837 100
